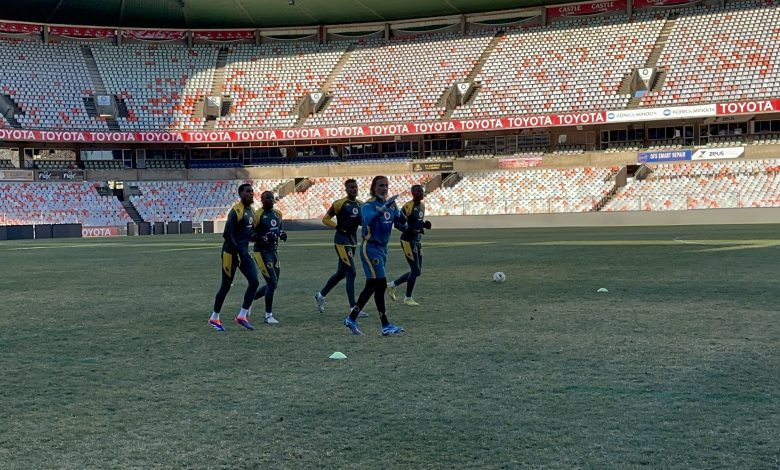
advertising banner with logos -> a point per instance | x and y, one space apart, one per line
17 175
154 34
665 156
748 107
60 175
82 32
262 135
400 129
432 166
657 114
100 231
19 28
523 162
586 8
718 153
224 35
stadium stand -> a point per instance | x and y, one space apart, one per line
767 139
266 82
314 202
48 84
400 80
545 190
59 203
721 54
704 185
166 201
574 65
160 84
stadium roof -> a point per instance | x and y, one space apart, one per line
194 14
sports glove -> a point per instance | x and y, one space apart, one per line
427 225
283 235
270 237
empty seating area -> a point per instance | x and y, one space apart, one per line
159 83
56 164
713 54
165 164
546 190
266 82
48 83
59 203
166 201
703 185
767 139
103 164
727 54
571 66
400 80
315 201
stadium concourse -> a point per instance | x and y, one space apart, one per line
638 106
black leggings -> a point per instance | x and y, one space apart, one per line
375 287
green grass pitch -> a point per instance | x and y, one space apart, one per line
107 361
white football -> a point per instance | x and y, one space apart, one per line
499 277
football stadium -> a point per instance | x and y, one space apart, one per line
595 186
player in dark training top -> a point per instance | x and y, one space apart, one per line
235 255
267 232
347 214
411 244
379 216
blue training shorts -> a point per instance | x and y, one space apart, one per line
373 257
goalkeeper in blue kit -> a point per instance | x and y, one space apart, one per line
411 244
379 216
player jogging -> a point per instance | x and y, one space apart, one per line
347 213
235 255
266 235
414 214
379 215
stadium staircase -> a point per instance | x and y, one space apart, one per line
605 199
132 211
475 71
652 61
9 110
217 89
619 178
99 86
334 74
121 107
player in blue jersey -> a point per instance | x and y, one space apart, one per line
235 255
267 232
347 213
411 244
379 216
